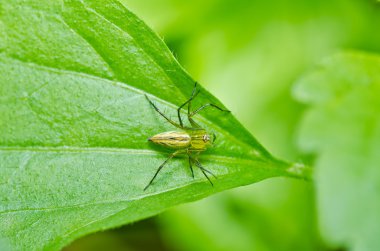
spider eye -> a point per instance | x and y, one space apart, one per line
206 138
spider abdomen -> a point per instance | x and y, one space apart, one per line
172 139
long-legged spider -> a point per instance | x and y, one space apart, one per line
188 140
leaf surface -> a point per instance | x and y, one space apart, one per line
74 156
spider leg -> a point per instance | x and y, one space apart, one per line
205 106
204 170
163 115
198 164
192 122
191 165
162 165
193 95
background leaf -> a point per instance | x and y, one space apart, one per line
74 122
251 225
342 127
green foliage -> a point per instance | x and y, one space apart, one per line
342 126
74 122
250 53
245 219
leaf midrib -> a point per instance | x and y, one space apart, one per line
70 149
246 162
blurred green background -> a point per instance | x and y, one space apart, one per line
248 54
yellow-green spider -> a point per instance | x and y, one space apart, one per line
187 140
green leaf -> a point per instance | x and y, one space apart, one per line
74 156
342 126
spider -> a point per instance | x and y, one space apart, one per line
186 140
